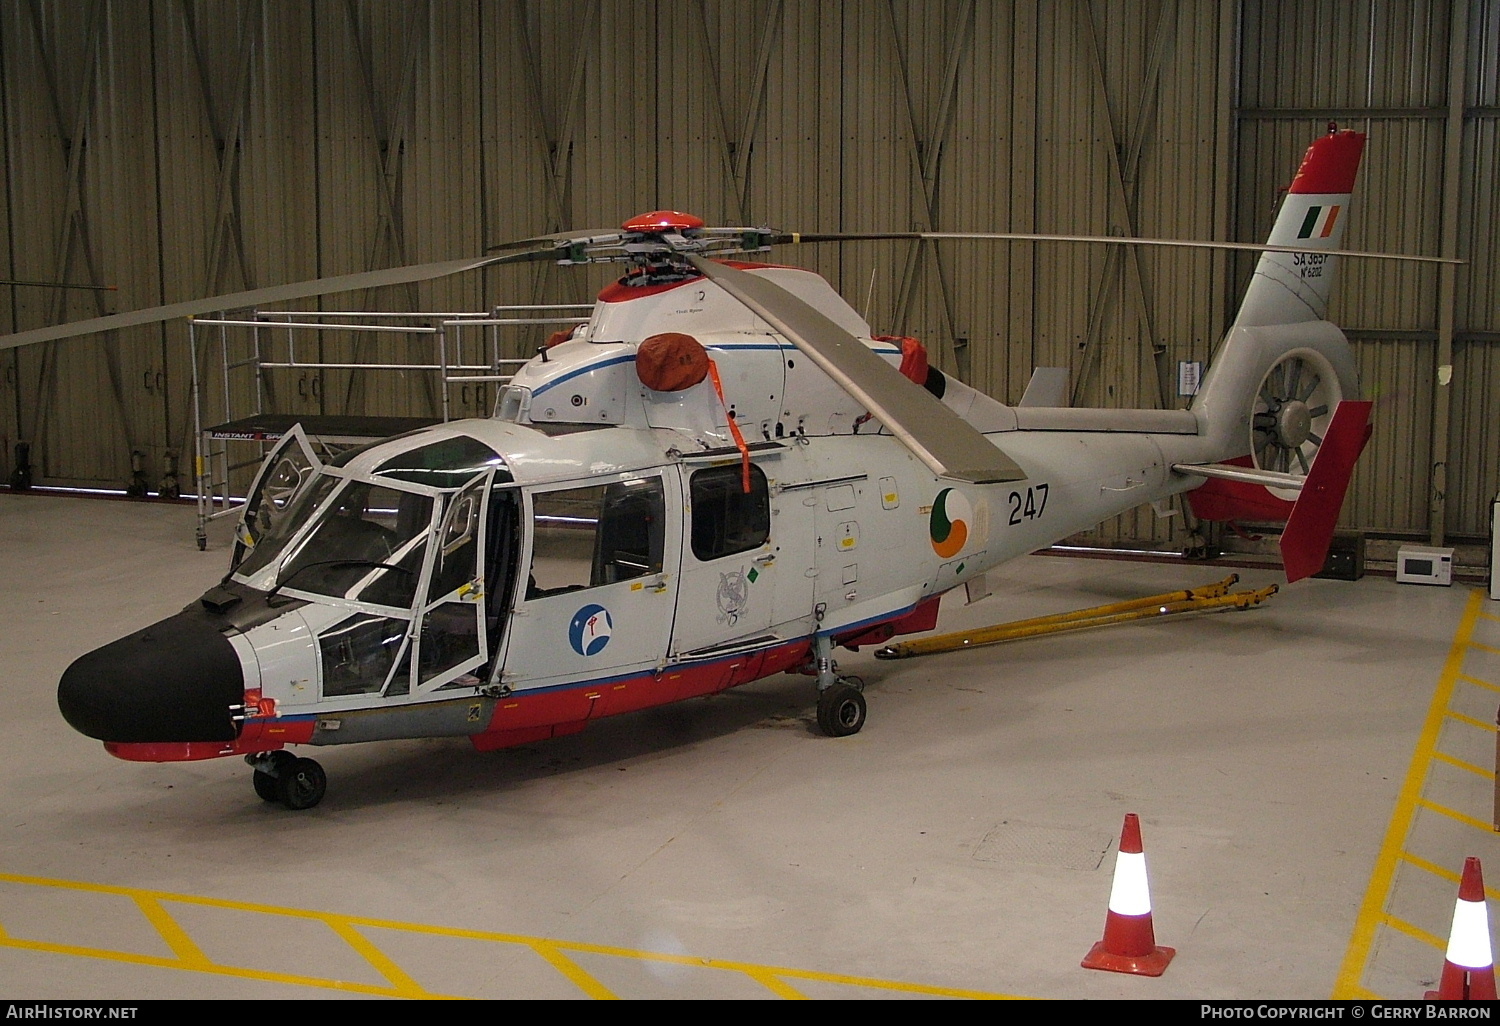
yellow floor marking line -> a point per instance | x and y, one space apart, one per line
350 929
1481 683
1484 648
382 962
1432 941
1454 814
784 972
1432 867
176 937
1371 909
776 985
1492 893
213 968
1461 764
1471 721
573 971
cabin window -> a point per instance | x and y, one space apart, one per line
589 537
726 518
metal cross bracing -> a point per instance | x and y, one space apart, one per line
925 150
72 239
1123 206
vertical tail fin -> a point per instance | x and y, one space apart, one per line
1272 397
1291 288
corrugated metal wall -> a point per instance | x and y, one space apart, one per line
182 147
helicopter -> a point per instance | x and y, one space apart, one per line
723 475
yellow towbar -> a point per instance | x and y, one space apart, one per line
1191 600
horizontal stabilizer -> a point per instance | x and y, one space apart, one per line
1309 530
1244 475
941 439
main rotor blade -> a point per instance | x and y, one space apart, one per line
261 297
937 436
59 285
798 238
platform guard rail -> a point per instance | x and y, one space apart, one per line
466 351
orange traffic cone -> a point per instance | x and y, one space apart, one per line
1129 944
1469 967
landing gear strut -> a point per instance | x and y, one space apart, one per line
282 777
841 703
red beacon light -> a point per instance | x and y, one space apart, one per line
659 221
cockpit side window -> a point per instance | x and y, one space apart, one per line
727 519
589 537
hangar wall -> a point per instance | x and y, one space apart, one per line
177 148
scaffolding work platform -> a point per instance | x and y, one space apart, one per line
435 367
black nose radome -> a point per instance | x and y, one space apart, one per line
173 681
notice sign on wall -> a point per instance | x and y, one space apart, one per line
1189 373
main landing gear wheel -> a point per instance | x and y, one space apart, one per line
301 784
841 708
282 777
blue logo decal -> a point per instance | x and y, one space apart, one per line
590 630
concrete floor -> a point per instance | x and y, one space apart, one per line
962 844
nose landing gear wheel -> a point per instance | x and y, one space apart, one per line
841 709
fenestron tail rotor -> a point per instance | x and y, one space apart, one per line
1293 408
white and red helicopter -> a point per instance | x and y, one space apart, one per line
721 476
